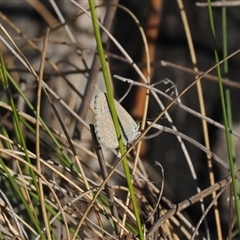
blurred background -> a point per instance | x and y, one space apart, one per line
72 70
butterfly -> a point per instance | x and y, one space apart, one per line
104 127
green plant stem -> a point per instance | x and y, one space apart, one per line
226 122
107 80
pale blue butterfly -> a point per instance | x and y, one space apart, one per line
104 127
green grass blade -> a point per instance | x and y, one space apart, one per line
226 121
107 80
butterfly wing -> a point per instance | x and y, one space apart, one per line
129 128
104 127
